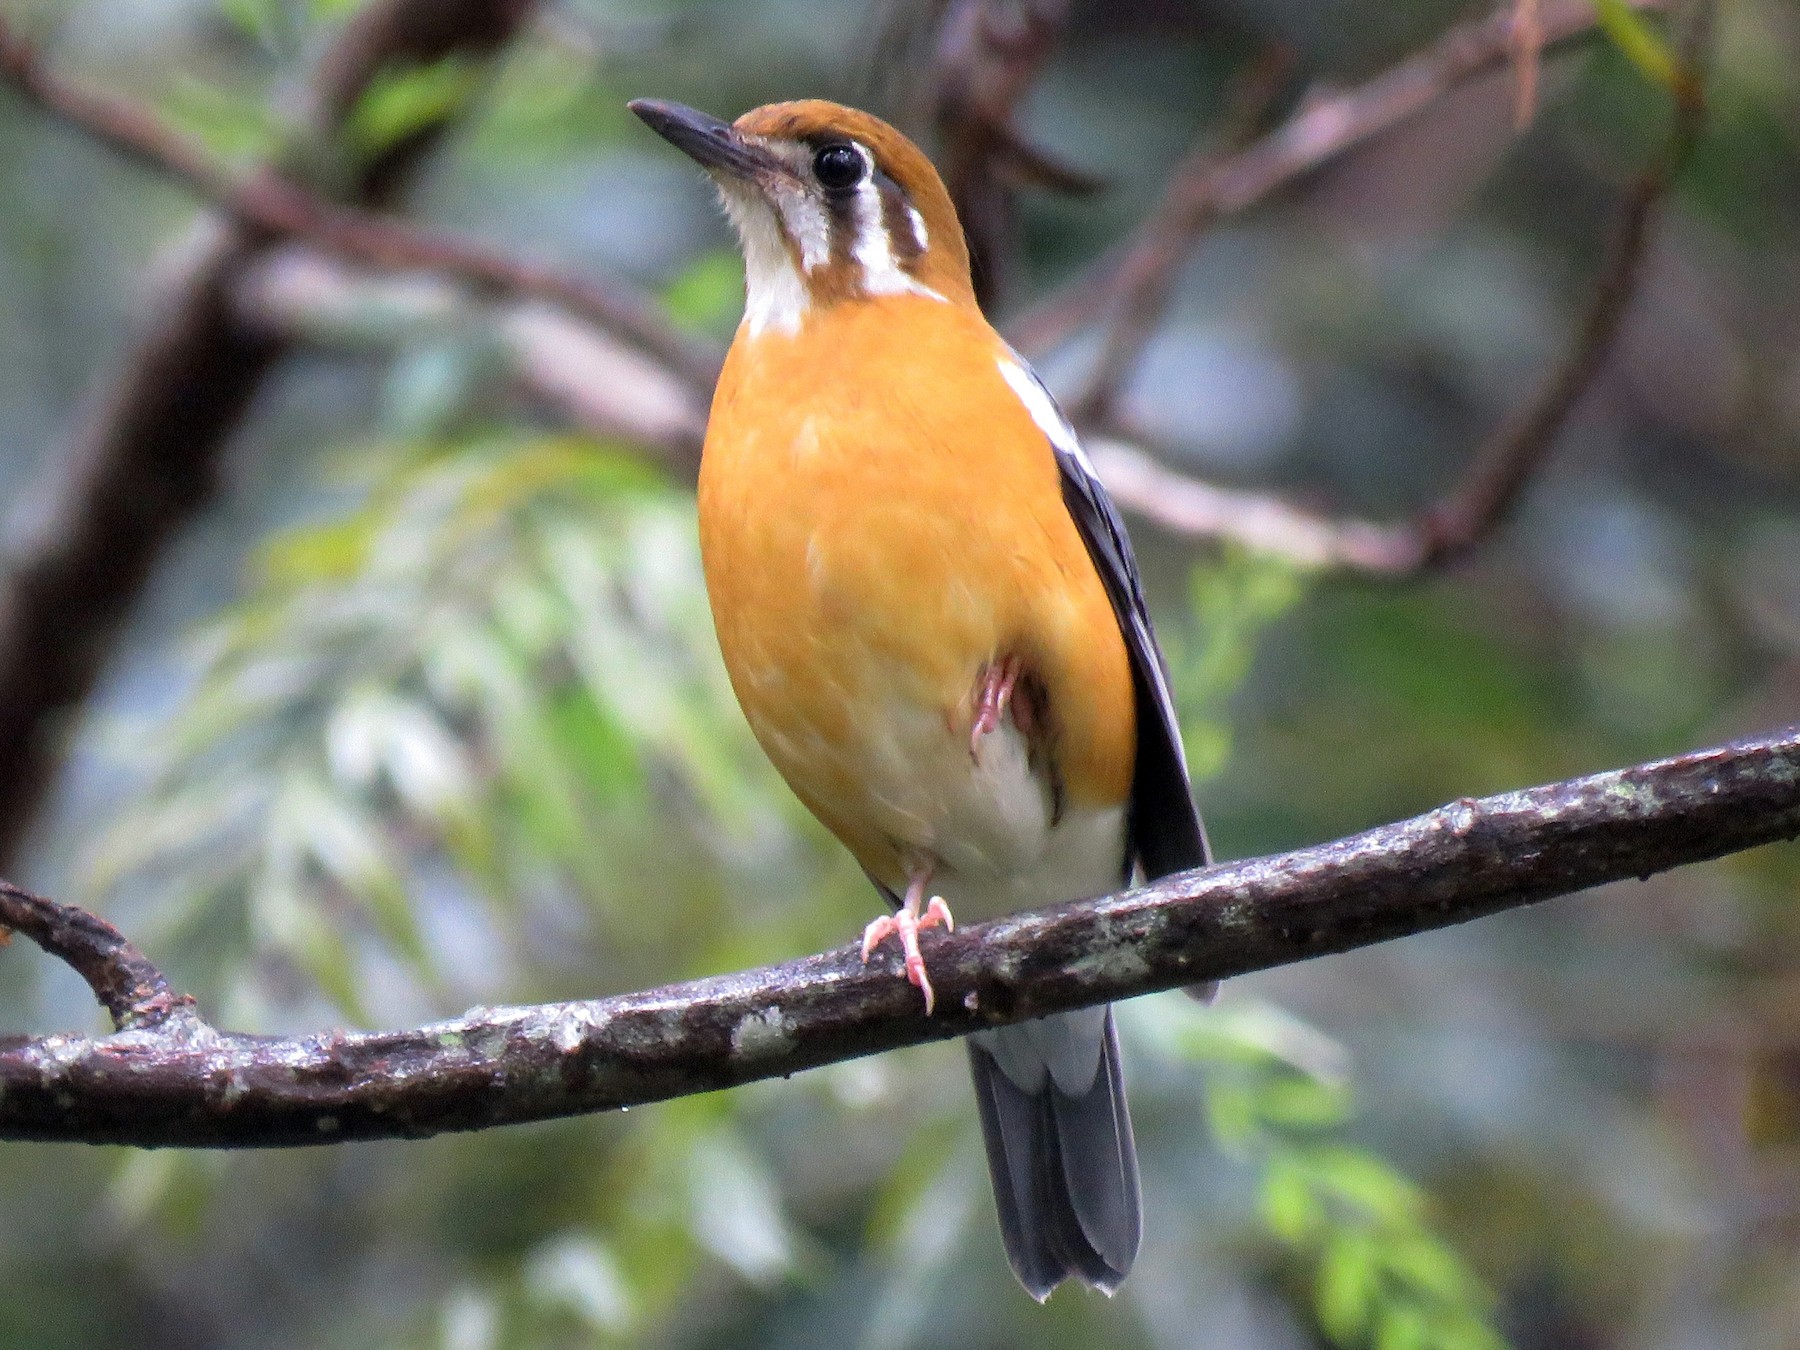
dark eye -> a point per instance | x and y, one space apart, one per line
838 166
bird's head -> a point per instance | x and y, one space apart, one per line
831 206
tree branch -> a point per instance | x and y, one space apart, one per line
587 377
1146 290
1501 466
146 459
271 202
166 1078
987 57
132 990
1208 186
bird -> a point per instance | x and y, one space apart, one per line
932 617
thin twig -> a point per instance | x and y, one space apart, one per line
188 1085
1141 305
1501 467
1528 53
987 56
131 989
1321 131
273 202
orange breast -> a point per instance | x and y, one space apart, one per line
880 519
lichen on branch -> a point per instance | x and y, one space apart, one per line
166 1078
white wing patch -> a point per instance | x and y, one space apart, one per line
1043 410
1062 437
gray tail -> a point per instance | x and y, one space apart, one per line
1059 1149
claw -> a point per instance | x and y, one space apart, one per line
878 931
906 924
991 700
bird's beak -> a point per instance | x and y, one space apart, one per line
714 145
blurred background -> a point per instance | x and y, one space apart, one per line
417 706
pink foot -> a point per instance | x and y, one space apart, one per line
991 699
907 924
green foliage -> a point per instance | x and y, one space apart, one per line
401 103
549 101
269 22
278 26
1232 599
709 292
482 660
493 673
681 1189
1278 1099
1642 45
1747 165
233 125
397 102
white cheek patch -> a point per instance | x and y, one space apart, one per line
1043 410
802 214
775 294
776 221
807 225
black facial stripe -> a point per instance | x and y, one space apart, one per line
840 203
896 218
844 212
841 207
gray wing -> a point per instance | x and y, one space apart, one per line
1165 829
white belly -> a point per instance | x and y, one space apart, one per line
984 821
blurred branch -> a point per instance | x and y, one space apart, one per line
272 202
147 457
165 1078
988 54
1528 51
1140 483
1500 467
1206 187
1139 309
589 377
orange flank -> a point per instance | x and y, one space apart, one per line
873 547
